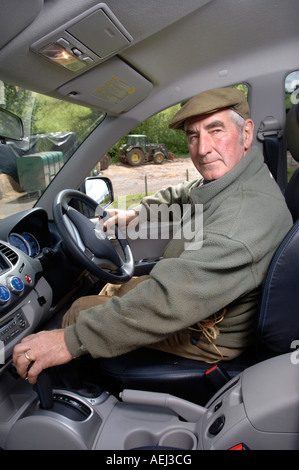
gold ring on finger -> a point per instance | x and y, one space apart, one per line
27 357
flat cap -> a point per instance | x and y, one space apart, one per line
210 101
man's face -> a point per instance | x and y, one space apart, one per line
216 144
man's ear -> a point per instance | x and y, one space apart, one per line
248 131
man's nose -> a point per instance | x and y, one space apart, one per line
204 144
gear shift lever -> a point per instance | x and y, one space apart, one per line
44 389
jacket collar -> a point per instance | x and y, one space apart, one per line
250 164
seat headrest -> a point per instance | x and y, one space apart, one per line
292 131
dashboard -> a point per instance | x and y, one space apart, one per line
22 237
25 296
35 274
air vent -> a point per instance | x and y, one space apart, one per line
9 254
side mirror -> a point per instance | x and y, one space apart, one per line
100 189
11 126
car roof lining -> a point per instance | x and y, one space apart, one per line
137 19
11 25
239 49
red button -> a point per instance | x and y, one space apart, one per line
239 447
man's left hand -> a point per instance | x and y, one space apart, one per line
40 351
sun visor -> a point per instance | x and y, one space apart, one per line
113 87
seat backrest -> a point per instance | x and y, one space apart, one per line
278 322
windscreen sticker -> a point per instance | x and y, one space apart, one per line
114 90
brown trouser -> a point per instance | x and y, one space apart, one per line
110 290
179 343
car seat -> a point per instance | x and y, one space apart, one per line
277 324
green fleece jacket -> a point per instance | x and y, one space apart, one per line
244 220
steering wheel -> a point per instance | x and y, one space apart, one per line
87 242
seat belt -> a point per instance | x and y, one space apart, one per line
270 133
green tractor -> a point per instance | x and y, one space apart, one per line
138 150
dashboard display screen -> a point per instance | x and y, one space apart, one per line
25 242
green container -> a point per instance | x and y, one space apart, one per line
37 170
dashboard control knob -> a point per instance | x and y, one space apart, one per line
4 294
15 284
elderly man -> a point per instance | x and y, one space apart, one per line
199 303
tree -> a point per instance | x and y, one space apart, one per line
51 115
42 114
156 128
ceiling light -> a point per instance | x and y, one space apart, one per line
60 56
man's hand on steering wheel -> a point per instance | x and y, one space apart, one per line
119 217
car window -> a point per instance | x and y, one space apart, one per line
53 129
135 172
291 98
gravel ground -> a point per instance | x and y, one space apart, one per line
129 180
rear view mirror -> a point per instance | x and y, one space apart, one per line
11 126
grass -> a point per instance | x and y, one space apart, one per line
130 201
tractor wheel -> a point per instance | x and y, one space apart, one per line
122 157
135 157
159 158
